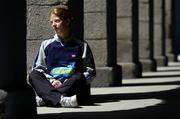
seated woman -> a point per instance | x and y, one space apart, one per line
64 65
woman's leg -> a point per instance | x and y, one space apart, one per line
44 89
75 85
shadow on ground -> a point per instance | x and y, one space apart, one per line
169 109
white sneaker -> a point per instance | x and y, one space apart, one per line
69 101
39 101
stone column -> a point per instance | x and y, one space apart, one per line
176 28
168 27
96 33
20 100
77 9
159 41
145 51
38 27
127 38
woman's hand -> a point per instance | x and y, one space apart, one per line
56 83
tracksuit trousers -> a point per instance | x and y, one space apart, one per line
75 85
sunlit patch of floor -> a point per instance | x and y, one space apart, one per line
133 89
106 107
118 104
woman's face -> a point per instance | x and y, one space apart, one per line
58 25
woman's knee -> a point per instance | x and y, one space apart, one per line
35 75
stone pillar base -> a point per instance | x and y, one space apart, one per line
131 70
171 57
161 60
148 65
107 77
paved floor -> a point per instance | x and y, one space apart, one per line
155 96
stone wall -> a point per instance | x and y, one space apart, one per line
38 27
